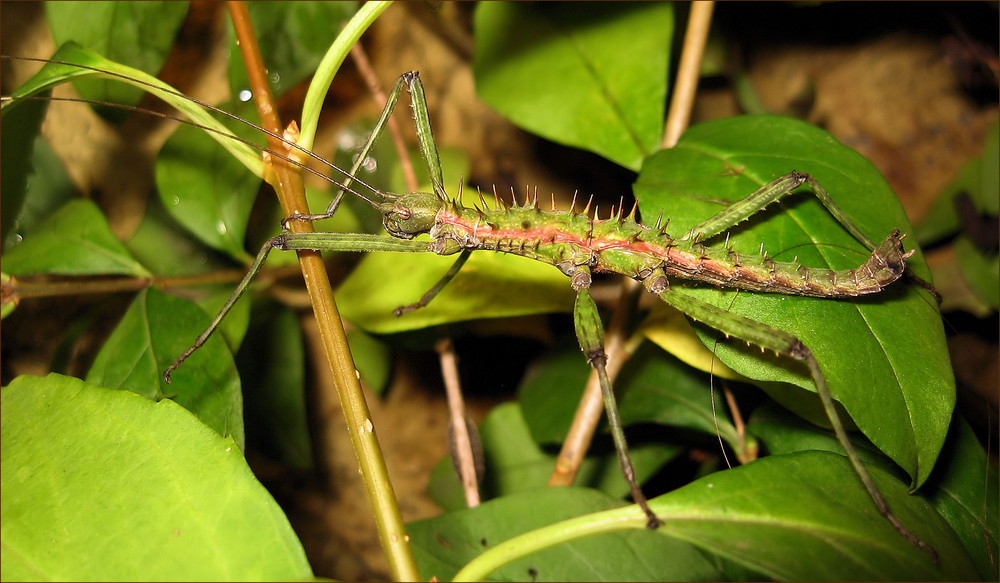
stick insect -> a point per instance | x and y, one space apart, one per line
580 246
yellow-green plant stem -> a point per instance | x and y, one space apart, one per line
288 183
329 66
625 518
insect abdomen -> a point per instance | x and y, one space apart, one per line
567 239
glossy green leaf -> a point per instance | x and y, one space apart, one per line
140 34
491 285
187 257
810 502
902 394
272 363
652 387
782 432
964 491
206 190
293 38
156 329
562 71
754 514
100 484
514 462
444 544
76 240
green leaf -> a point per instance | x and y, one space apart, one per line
883 356
781 432
811 502
72 61
272 362
560 71
516 463
293 38
158 232
444 544
140 34
155 330
100 484
964 491
751 515
652 387
76 240
208 191
490 285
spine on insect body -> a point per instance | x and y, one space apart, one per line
621 245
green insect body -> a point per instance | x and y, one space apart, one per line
571 239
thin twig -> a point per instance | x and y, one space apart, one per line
465 460
688 73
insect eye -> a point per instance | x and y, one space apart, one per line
403 212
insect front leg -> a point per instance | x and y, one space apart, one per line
359 242
428 149
784 344
590 334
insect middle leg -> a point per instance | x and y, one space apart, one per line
590 334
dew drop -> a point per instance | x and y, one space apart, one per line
220 227
176 200
246 95
369 165
347 141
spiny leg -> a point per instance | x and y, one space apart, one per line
590 334
784 344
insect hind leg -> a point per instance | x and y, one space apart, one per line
784 344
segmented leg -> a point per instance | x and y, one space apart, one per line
783 344
428 150
433 292
590 334
357 242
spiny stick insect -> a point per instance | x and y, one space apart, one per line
580 246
